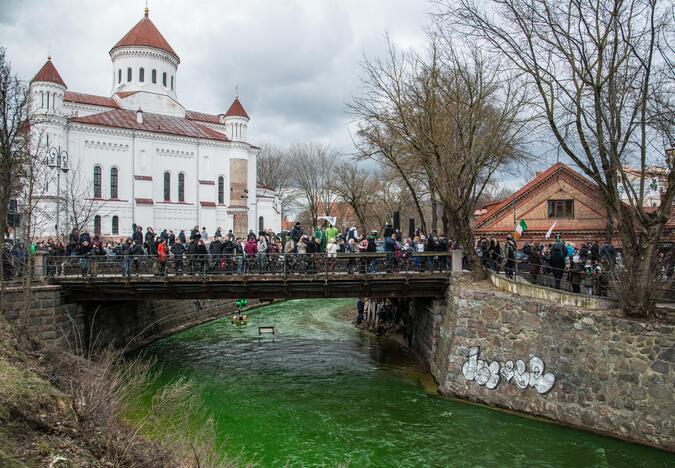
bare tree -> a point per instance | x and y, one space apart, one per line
459 114
14 141
356 187
80 206
312 166
603 75
274 172
378 144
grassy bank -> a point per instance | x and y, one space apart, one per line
63 409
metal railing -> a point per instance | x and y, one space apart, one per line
278 264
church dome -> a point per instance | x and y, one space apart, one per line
145 34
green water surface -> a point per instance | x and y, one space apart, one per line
327 393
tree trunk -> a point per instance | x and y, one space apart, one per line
434 215
467 242
446 222
640 286
609 228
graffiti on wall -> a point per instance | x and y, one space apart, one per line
523 375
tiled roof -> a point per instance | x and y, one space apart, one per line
202 117
505 203
124 94
49 74
236 110
82 98
156 123
145 33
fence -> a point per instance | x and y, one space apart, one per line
247 265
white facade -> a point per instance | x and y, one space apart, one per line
170 168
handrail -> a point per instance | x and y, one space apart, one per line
244 265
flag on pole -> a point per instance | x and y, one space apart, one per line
550 230
520 229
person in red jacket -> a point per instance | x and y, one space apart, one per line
162 256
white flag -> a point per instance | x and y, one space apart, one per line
330 219
550 230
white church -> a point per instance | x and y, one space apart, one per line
144 158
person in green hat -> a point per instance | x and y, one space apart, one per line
331 233
321 235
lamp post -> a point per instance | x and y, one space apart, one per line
58 159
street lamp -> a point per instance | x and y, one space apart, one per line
58 159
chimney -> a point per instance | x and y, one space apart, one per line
139 116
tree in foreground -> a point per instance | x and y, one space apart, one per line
453 114
602 72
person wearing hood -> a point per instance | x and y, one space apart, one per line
331 233
162 256
201 254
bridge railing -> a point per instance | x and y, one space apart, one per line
248 265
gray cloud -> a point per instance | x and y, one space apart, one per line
295 61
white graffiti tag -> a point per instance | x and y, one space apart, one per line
488 374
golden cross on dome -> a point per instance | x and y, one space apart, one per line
236 91
146 10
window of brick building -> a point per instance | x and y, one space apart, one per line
561 209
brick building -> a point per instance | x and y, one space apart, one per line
558 195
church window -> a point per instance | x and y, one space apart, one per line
561 209
181 187
119 75
129 74
164 79
154 76
261 224
42 99
53 100
48 100
97 225
115 225
167 186
141 74
172 83
97 181
113 182
221 190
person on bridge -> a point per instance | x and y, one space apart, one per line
331 233
296 234
162 256
178 250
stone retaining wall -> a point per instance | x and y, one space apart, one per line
590 369
46 313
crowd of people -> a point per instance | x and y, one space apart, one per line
582 269
302 250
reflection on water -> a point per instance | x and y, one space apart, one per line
325 392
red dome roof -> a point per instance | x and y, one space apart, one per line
145 33
49 74
237 110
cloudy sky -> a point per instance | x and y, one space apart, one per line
295 61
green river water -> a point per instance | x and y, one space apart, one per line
326 393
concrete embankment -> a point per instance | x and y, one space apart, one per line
590 369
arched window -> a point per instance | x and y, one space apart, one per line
97 181
115 225
154 76
167 186
181 187
119 75
48 100
129 74
261 224
113 182
141 74
221 190
97 225
172 83
42 99
164 79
